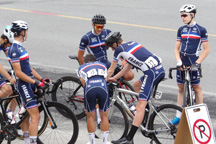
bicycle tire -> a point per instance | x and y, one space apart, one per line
65 135
69 91
118 123
168 136
186 95
1 127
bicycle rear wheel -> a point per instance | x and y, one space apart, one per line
118 123
66 130
69 91
165 132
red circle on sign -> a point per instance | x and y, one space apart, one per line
194 126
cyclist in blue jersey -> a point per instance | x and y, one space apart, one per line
139 57
190 37
6 90
94 42
93 74
27 82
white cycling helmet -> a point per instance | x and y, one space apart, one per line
18 26
9 34
189 8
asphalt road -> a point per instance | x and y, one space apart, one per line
55 29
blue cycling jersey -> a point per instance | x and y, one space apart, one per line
136 55
191 38
95 44
17 53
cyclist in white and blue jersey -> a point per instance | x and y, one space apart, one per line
27 82
139 57
93 74
190 37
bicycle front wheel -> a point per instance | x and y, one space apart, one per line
165 132
69 91
186 95
59 129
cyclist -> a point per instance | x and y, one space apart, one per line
93 74
139 57
6 90
94 42
187 51
19 59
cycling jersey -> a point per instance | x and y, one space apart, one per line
139 57
95 44
95 87
191 38
17 53
136 55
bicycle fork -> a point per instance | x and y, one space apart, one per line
50 118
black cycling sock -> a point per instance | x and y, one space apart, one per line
132 132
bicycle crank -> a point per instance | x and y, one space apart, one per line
10 132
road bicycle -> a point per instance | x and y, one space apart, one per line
69 91
53 126
157 123
189 95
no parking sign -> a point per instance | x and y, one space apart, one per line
195 126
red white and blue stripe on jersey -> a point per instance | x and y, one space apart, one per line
95 44
191 38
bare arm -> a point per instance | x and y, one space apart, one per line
177 53
36 75
204 53
126 68
111 70
4 72
80 57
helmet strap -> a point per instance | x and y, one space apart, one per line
191 19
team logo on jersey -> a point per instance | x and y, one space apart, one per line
94 39
82 43
14 54
185 30
103 36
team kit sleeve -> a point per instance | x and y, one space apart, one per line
179 34
83 43
14 56
204 35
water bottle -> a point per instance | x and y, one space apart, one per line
132 109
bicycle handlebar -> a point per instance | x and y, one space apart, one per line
184 69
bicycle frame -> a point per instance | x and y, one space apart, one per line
152 109
189 85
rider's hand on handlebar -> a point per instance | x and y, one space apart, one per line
39 84
46 80
179 65
195 66
112 79
12 80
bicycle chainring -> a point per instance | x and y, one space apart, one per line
10 131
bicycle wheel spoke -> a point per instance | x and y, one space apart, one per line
165 132
64 130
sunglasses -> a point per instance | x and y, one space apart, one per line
98 27
184 15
